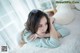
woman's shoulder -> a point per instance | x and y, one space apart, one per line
25 32
26 35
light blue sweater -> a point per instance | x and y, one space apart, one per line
46 42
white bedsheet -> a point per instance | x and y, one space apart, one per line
69 44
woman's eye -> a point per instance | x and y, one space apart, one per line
40 25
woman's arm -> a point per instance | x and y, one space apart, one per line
46 35
41 42
34 36
53 32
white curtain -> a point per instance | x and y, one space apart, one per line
13 15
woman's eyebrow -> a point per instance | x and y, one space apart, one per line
39 24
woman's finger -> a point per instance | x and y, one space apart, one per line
33 37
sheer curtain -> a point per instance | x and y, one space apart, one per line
13 15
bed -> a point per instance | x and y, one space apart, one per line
69 44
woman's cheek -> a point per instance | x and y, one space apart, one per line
46 27
40 29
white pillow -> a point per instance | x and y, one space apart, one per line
64 14
77 6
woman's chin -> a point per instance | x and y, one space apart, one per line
43 33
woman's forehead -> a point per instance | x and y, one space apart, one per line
43 20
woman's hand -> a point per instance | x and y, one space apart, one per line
33 37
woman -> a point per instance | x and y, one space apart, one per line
41 31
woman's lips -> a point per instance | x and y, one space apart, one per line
43 32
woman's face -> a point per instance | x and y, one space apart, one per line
42 28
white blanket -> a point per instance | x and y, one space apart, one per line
69 44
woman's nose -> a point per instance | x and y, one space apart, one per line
43 28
